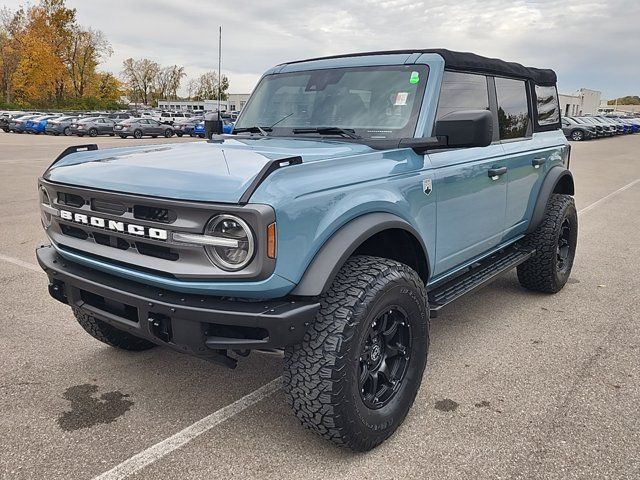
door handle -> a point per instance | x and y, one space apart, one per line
494 173
536 162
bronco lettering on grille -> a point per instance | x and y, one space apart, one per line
115 225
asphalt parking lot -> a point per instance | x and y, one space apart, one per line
518 385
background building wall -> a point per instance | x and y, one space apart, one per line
570 105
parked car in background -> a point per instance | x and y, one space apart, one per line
172 117
622 127
60 125
577 131
18 124
603 130
199 130
37 125
152 114
140 127
614 127
186 127
633 123
92 126
6 117
119 117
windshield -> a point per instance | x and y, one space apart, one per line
374 102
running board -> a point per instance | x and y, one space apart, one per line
477 275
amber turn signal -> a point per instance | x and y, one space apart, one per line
271 241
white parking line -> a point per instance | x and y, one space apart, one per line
159 450
21 263
604 199
165 447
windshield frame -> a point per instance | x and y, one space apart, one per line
364 134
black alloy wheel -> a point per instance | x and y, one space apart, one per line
564 246
384 358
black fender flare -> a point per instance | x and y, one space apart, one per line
340 246
558 180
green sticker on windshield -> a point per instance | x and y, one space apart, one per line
415 77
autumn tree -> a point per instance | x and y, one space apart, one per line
168 81
84 52
46 57
140 76
11 26
207 87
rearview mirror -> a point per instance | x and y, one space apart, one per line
466 128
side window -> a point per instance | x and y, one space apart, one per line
513 108
547 105
462 91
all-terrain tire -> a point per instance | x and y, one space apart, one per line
555 242
321 374
111 336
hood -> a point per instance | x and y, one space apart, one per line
197 171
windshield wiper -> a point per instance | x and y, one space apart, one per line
256 129
345 132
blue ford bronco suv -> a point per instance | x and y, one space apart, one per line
356 197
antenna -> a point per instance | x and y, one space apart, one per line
219 69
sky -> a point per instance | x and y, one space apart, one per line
591 44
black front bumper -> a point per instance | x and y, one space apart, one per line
194 324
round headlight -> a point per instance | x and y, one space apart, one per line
45 201
235 229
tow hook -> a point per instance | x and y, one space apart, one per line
160 326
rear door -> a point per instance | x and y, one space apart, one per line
470 183
527 155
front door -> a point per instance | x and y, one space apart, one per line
471 189
470 183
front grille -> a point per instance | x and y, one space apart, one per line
110 241
153 214
157 251
112 208
70 199
74 232
135 232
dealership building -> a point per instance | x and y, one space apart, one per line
234 102
582 102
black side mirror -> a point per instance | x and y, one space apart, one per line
466 128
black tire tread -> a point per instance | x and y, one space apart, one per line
111 336
538 273
314 369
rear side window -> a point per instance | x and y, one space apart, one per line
462 91
547 105
513 108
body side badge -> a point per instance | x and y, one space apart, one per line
427 186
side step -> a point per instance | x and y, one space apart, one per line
476 276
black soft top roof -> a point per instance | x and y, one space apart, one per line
470 62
